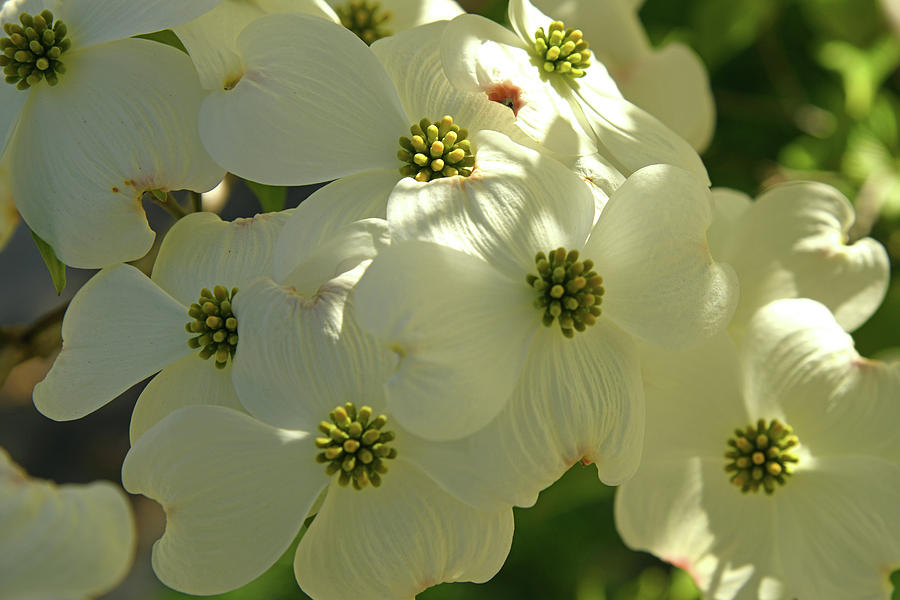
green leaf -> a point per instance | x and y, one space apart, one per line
271 197
55 266
166 36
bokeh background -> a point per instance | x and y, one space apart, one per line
805 89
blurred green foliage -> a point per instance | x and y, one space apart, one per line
805 89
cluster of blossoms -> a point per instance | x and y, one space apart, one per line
514 268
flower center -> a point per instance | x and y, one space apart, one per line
355 446
215 325
436 149
568 290
366 19
760 456
562 50
32 50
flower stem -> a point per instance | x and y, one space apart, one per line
196 201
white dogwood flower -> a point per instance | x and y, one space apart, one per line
91 118
792 242
305 366
284 123
122 326
487 277
72 541
560 96
772 471
670 83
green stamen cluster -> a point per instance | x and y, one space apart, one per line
436 150
216 325
355 446
759 456
32 50
568 290
366 19
562 50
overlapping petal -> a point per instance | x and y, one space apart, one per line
300 357
69 541
650 247
631 135
799 359
516 203
188 381
578 399
202 251
726 540
413 61
119 329
792 242
11 103
235 492
480 56
398 540
124 116
9 216
320 219
687 107
461 330
211 39
93 22
283 123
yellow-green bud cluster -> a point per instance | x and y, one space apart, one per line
355 446
436 149
760 456
562 50
569 291
366 19
32 50
215 324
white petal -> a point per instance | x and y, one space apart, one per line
124 116
67 541
792 242
461 330
406 14
801 363
673 86
119 329
226 253
235 492
349 248
687 513
480 56
578 399
326 212
694 390
11 102
526 19
836 525
186 382
518 202
649 245
413 61
211 39
395 541
728 208
284 123
93 22
632 136
300 357
611 27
